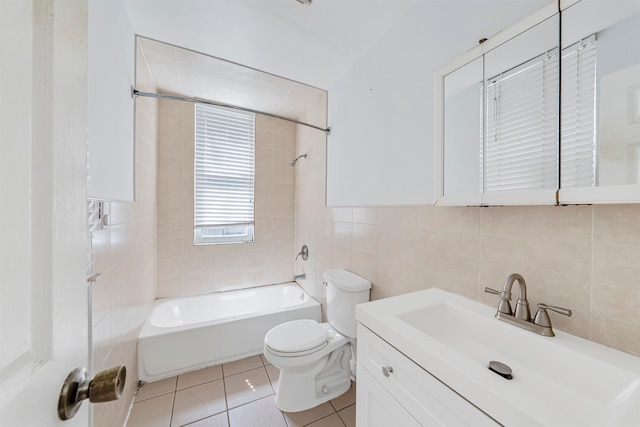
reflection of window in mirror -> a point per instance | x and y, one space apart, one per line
521 114
578 143
610 122
619 71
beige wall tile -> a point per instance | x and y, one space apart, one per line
431 279
616 288
623 336
460 219
365 216
211 268
449 253
366 238
616 224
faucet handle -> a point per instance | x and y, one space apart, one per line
542 317
504 306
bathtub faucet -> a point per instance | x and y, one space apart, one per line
304 252
297 277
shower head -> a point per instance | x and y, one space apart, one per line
293 162
305 2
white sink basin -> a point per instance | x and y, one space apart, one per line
557 381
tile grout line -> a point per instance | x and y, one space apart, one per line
173 407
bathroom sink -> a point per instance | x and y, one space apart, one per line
557 381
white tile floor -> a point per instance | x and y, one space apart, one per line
236 394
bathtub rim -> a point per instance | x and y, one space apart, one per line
150 330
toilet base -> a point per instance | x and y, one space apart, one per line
304 388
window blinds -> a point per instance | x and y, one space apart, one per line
224 175
521 146
521 149
578 125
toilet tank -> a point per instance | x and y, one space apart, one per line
344 291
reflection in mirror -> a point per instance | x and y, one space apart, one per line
606 60
463 130
521 104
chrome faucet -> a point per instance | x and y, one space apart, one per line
541 323
304 252
522 305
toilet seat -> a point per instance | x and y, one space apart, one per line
297 338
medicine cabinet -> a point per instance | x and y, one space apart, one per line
110 148
546 112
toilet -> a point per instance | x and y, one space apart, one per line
317 360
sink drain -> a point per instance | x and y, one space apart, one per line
500 369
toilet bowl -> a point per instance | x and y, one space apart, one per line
308 376
316 360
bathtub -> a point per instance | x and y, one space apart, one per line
186 334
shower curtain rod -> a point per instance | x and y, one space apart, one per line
135 93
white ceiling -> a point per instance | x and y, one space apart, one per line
315 45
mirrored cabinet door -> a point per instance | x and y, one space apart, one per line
600 121
521 110
499 106
463 130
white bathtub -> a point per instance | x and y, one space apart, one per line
186 334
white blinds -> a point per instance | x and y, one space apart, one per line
578 125
224 175
521 149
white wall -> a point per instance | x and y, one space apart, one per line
380 151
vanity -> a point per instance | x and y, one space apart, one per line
423 360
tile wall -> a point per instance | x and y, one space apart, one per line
185 269
125 254
581 257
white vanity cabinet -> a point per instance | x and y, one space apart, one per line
395 391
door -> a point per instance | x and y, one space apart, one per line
43 232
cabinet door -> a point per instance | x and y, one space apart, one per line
521 101
600 127
427 399
497 121
110 161
376 407
462 134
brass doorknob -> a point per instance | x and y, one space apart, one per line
104 387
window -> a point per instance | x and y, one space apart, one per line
224 175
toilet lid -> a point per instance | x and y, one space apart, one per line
296 336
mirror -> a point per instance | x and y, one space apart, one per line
499 124
463 143
596 156
601 49
521 110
